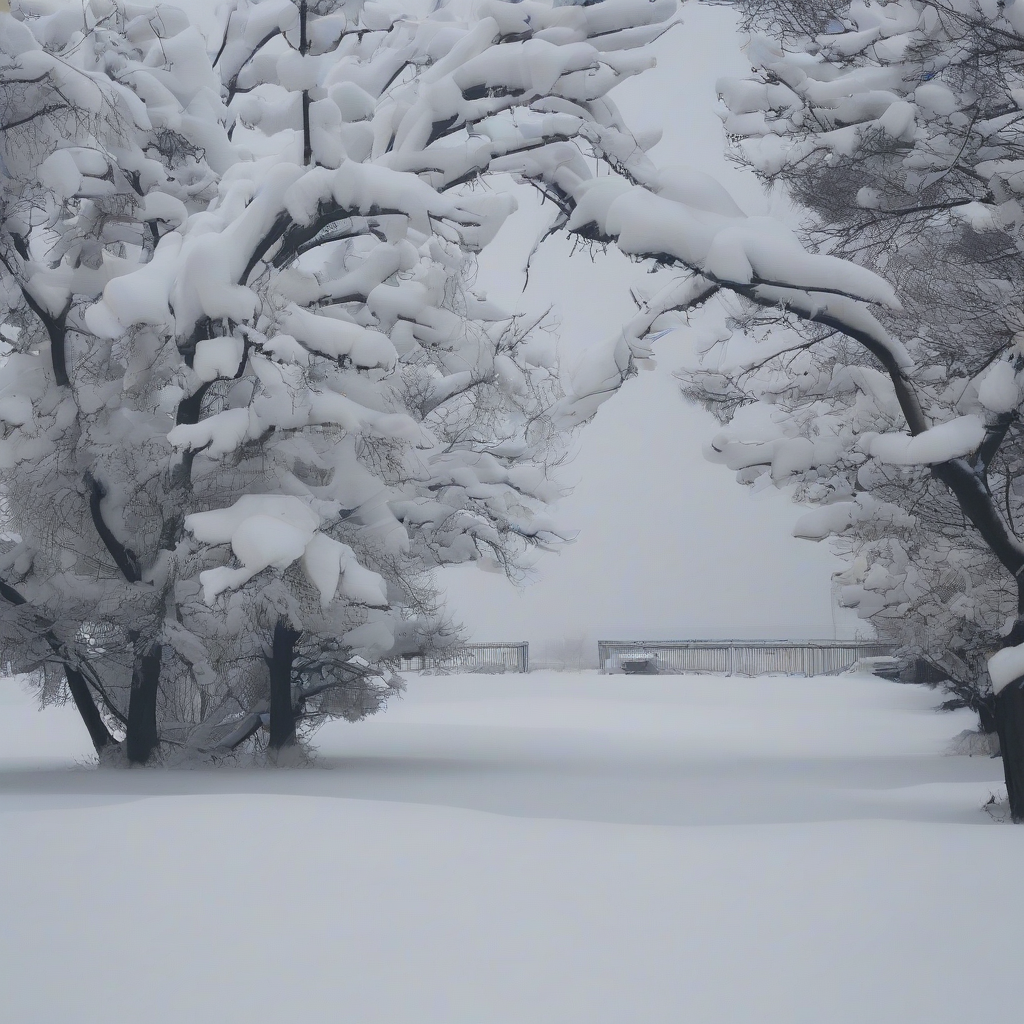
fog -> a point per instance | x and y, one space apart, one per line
668 544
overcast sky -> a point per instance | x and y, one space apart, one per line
669 545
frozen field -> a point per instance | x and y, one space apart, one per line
548 849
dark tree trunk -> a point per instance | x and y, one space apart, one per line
82 696
986 708
1009 705
282 711
142 739
1009 715
307 142
307 146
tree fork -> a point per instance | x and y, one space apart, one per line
142 739
56 329
282 711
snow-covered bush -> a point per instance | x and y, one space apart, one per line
896 126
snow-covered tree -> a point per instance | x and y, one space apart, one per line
250 394
60 121
897 126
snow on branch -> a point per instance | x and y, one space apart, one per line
951 440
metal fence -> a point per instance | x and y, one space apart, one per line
737 657
487 658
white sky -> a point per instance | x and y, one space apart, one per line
669 545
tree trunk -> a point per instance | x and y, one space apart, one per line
282 712
142 738
307 146
307 143
81 695
1010 725
986 708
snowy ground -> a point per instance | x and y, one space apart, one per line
549 848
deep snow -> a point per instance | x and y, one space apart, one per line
542 848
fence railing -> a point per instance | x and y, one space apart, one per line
737 657
487 658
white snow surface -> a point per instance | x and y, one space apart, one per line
1005 666
552 849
